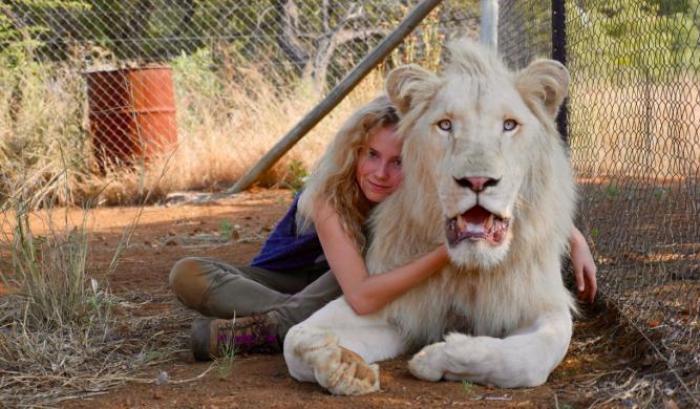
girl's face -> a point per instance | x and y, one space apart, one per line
379 165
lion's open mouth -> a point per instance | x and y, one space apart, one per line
476 223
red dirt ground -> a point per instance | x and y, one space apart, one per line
165 234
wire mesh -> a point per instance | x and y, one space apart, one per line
634 132
524 31
206 86
634 125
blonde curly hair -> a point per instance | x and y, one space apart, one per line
334 178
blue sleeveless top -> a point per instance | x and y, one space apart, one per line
287 251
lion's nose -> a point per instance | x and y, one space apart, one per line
477 183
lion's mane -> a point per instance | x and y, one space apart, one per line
475 300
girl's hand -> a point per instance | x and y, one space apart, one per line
584 267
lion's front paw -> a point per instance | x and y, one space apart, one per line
345 373
428 364
338 369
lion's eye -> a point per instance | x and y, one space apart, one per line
445 125
509 125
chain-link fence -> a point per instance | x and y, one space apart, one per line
200 87
634 126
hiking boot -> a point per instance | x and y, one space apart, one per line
213 338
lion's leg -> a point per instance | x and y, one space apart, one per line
524 359
335 346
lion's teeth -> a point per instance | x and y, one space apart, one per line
461 224
489 222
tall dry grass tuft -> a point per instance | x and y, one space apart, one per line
54 321
59 338
50 273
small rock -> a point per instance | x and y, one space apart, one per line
162 378
629 403
670 404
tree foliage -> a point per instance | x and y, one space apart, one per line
656 37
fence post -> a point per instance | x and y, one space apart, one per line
488 34
335 96
559 54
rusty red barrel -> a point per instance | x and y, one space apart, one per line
132 114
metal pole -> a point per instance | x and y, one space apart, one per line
335 96
488 34
559 54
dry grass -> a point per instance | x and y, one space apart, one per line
219 146
41 116
622 367
41 366
224 126
63 335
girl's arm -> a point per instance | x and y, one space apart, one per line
584 266
365 293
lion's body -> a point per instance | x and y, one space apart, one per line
506 302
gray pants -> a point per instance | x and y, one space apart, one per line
217 289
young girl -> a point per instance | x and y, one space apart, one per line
290 279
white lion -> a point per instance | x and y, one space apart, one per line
485 171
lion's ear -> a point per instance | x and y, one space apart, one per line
409 84
546 81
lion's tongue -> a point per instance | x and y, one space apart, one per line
474 220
